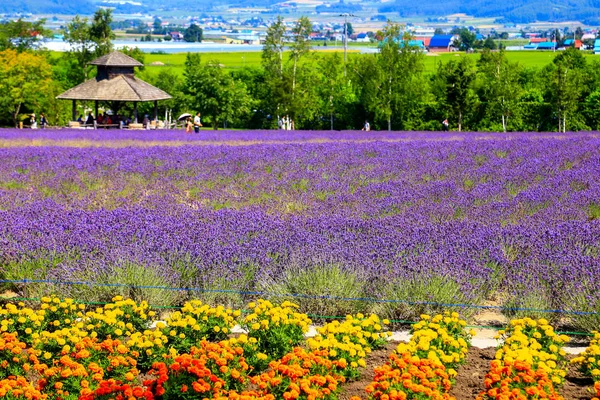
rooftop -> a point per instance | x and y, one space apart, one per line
117 59
119 88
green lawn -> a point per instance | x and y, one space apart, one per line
177 61
240 59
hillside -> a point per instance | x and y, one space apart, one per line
518 11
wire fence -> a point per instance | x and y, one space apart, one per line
267 294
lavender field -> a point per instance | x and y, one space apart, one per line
417 221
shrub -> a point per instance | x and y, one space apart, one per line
277 328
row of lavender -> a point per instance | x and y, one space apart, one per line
251 136
468 221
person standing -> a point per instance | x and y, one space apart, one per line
33 122
366 127
197 123
188 125
445 125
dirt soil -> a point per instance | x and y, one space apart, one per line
469 382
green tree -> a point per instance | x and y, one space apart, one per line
100 31
278 83
566 86
501 86
22 35
457 78
300 46
220 98
394 87
466 39
193 34
157 28
77 34
25 83
349 28
272 53
89 41
489 44
136 53
591 110
336 93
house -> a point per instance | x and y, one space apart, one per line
573 43
363 38
535 40
414 43
176 36
425 39
441 43
428 32
249 39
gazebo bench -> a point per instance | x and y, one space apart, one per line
79 125
107 126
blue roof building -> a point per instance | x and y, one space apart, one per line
597 46
546 46
441 42
414 43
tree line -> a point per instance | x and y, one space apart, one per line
318 90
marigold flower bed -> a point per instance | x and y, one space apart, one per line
65 350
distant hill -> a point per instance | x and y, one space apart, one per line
518 11
68 7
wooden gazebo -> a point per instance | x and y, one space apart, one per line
115 82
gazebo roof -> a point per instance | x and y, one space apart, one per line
119 88
117 59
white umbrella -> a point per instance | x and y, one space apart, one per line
183 116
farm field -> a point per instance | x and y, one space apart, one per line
131 257
398 224
236 60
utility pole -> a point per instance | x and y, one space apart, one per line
345 15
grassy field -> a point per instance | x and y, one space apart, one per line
240 59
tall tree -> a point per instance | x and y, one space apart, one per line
100 31
335 91
391 90
466 39
193 34
501 84
566 86
300 46
279 86
214 92
77 34
457 90
89 41
25 83
272 53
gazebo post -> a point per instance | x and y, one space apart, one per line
74 110
96 109
135 114
155 110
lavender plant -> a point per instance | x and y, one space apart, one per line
405 215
